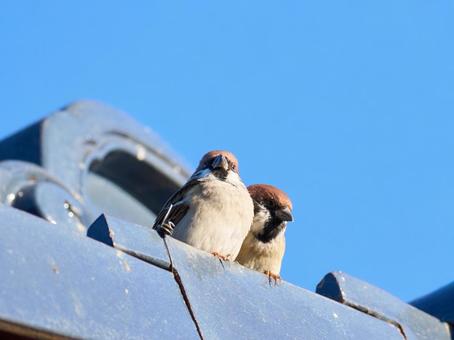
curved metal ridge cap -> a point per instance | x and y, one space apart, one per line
90 117
26 170
412 322
439 303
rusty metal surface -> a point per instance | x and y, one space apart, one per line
414 324
138 241
59 282
231 302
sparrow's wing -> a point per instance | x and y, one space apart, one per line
177 203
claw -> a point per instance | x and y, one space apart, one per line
272 276
220 257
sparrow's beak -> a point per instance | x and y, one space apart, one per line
284 214
220 162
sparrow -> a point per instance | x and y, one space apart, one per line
213 211
264 246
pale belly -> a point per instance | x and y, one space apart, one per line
218 220
260 256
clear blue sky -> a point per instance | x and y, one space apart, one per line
346 105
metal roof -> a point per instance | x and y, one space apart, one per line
79 191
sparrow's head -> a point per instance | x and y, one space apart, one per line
272 211
220 162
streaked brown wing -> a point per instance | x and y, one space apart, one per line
177 212
177 202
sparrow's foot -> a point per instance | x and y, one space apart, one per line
272 276
166 228
220 257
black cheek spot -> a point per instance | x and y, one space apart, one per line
271 230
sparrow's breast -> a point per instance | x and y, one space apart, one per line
262 256
219 218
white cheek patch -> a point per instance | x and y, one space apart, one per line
234 179
260 218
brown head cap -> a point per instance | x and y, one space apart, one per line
265 193
209 156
